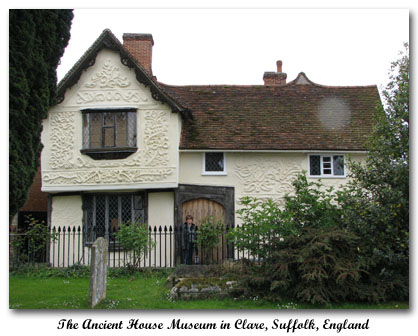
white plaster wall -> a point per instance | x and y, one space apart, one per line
66 211
161 209
155 163
161 215
66 221
256 174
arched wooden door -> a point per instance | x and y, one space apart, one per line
201 209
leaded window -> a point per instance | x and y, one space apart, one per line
104 213
214 163
326 165
109 133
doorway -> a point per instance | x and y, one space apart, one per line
201 209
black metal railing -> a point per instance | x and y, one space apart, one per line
69 247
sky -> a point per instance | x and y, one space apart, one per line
236 46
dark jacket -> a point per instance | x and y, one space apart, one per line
188 235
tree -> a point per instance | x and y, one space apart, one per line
377 206
37 39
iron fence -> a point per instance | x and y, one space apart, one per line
70 247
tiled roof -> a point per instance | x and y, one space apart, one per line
301 115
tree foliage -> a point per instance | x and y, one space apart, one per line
37 39
378 204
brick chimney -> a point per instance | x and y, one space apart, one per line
140 47
275 78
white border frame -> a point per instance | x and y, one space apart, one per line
219 173
332 168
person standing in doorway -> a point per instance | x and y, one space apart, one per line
193 241
185 242
188 242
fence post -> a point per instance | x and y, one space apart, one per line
171 249
165 246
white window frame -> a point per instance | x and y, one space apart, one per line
322 165
204 172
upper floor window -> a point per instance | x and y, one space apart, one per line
326 165
109 133
214 163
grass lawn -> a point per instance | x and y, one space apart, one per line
139 292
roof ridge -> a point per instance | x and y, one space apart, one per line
211 85
264 86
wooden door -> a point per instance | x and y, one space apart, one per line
201 209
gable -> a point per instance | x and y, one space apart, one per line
108 83
108 41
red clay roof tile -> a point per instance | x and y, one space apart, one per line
290 117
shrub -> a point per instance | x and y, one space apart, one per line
29 246
134 237
323 247
307 255
319 265
208 235
260 222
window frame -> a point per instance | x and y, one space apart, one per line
87 240
322 175
108 152
219 173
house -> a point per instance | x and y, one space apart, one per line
121 146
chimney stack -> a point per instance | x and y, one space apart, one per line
140 47
275 78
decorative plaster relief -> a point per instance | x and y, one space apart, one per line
86 162
62 140
276 199
106 176
156 138
109 77
109 84
267 177
130 96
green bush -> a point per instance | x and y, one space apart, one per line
320 265
307 255
208 235
134 238
261 220
322 247
28 246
